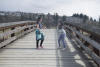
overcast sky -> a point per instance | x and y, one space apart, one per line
62 7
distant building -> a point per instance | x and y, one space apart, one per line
74 19
1 13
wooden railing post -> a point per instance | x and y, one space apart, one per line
86 42
12 31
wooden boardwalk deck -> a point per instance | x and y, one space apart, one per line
22 53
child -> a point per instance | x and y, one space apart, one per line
61 36
39 36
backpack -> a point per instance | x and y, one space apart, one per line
39 35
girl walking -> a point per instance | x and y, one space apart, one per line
61 36
39 37
39 34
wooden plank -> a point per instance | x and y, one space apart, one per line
85 27
14 24
22 53
92 42
89 51
4 43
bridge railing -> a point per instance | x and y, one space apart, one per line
14 30
87 38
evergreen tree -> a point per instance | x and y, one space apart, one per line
91 19
56 18
81 15
99 20
94 20
63 18
85 18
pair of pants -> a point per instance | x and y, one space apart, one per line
37 42
62 38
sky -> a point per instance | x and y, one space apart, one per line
62 7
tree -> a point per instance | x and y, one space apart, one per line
56 18
91 19
75 15
94 20
85 18
63 18
99 20
81 15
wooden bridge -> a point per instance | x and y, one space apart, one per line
18 47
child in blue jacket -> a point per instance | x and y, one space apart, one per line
39 36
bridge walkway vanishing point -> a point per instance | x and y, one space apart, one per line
23 53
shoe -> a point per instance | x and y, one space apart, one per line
37 48
59 47
63 48
41 46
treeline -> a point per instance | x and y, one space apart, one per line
16 16
48 19
84 17
88 20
